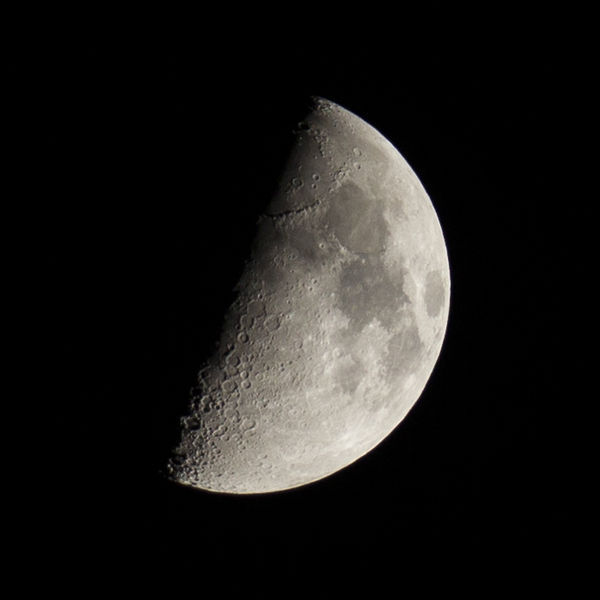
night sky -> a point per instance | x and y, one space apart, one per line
151 164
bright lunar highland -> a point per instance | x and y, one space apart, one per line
337 324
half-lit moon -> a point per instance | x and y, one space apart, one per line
339 319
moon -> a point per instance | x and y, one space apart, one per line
337 323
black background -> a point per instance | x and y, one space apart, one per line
141 171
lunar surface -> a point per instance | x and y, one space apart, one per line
338 320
